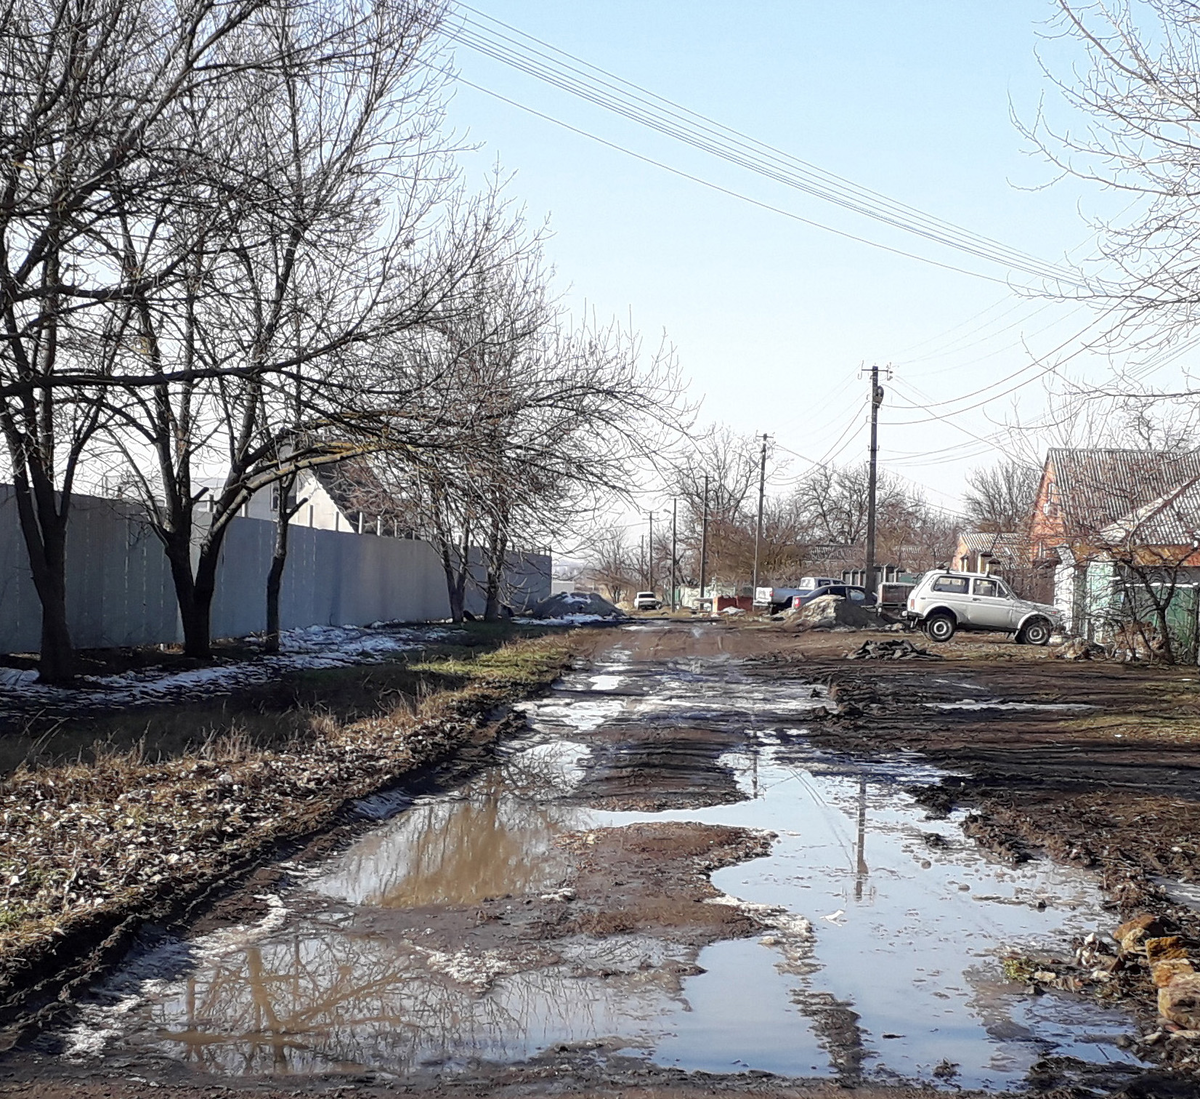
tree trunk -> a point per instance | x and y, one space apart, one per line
456 574
497 551
44 529
198 640
456 584
194 590
283 514
274 584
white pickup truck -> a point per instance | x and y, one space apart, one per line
778 598
647 601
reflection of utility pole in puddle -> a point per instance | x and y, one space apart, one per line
861 871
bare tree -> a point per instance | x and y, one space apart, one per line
1138 93
831 502
328 173
92 92
1000 497
539 418
728 463
612 563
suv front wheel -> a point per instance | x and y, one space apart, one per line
1036 632
940 627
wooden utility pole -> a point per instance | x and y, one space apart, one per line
762 487
674 541
876 401
650 555
704 539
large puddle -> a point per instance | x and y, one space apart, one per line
901 978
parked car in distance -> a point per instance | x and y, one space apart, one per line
944 602
777 599
647 601
853 592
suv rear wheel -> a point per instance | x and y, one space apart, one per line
1036 632
940 626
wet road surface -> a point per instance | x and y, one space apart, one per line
457 930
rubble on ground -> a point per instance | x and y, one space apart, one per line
575 606
829 611
1079 648
899 648
1117 966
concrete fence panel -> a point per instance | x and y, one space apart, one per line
120 593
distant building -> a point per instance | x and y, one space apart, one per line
990 551
1116 528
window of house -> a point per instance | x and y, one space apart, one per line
957 585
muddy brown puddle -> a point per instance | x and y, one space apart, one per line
430 944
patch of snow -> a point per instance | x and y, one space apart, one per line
972 704
606 682
312 647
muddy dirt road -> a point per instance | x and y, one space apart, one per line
721 859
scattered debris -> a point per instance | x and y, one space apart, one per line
1080 648
899 648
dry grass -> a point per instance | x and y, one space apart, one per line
92 842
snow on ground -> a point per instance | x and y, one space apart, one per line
311 647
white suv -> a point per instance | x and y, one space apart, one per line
943 602
647 601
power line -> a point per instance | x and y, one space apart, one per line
640 105
725 190
1016 373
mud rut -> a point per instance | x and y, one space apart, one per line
666 883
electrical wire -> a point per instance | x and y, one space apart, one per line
726 190
1053 366
640 105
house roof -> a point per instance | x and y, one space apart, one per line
354 488
1171 520
1096 488
998 543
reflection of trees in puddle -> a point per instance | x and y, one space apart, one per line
306 1003
483 843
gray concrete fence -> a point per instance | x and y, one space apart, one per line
119 589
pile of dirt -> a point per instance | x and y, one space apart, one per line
574 604
830 611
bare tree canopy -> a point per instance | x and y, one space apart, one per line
1138 95
1000 497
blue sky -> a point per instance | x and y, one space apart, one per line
771 317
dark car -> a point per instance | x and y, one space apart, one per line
859 596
